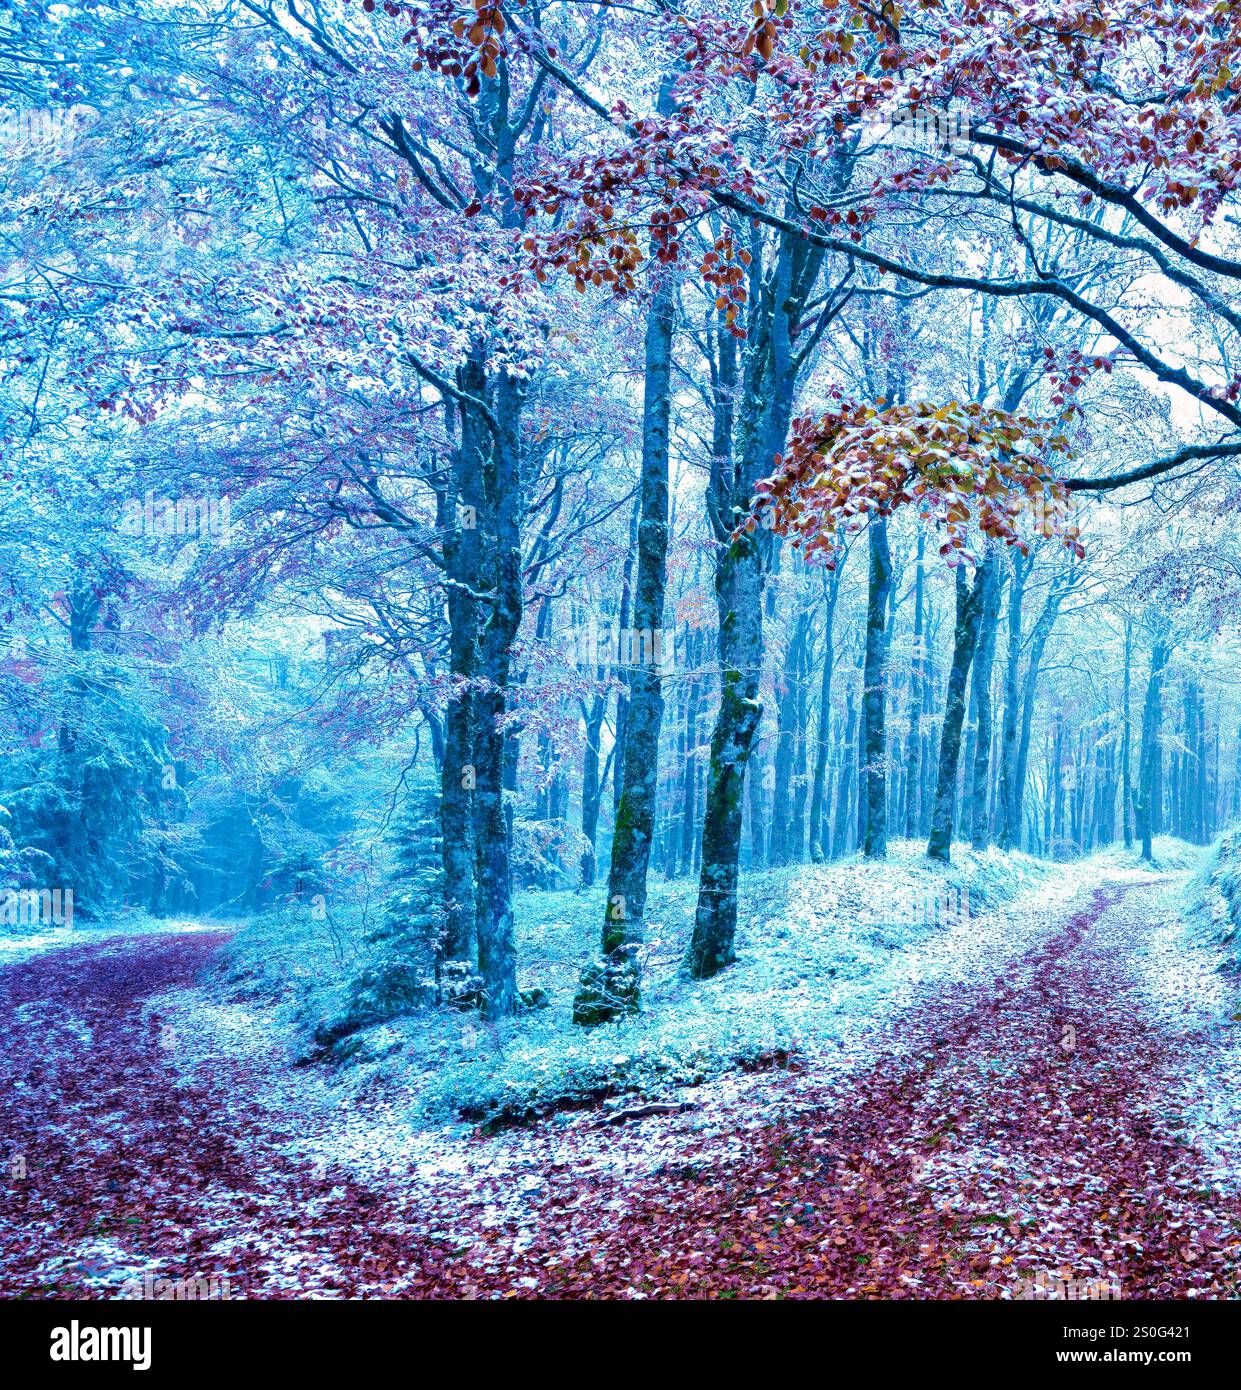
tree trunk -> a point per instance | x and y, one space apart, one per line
965 638
1149 757
820 839
844 785
1009 830
873 791
980 822
464 507
635 812
739 587
689 778
787 712
917 675
1126 741
1056 775
777 298
593 777
622 699
497 950
1038 643
801 784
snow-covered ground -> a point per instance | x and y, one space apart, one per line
886 1059
1187 972
830 958
817 947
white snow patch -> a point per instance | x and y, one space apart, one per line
1197 1005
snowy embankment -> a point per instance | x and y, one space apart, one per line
1192 973
830 958
820 948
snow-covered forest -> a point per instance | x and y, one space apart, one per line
619 649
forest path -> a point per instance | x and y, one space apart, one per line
117 1167
1030 1131
1030 1126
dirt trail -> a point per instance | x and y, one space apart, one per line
1028 1128
128 1170
1034 1136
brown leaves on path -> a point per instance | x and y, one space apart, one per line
1027 1129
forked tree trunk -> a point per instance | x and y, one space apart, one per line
769 381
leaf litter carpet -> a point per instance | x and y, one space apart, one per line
1031 1130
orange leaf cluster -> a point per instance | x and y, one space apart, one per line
724 267
484 34
762 36
962 465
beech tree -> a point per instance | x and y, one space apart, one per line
501 325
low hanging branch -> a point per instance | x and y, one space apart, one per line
961 465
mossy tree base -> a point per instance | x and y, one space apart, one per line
609 989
